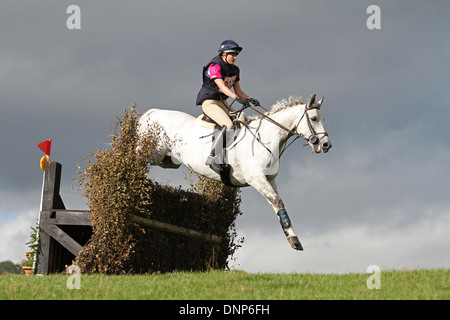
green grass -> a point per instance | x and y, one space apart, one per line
218 285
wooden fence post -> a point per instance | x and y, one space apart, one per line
52 216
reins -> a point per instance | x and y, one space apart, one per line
238 112
313 139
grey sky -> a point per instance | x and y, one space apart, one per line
380 194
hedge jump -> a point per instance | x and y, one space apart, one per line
63 233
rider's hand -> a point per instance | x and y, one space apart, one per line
254 101
244 102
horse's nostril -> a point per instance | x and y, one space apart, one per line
327 145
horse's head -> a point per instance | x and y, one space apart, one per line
310 126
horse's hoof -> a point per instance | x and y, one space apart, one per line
295 243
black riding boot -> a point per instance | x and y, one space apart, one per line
216 159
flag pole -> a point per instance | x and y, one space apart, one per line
45 146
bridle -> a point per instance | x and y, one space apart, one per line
311 139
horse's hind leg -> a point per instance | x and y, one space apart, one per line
269 190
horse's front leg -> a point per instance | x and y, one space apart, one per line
269 190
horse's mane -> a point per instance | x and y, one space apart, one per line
280 105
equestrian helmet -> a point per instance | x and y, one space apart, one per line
229 46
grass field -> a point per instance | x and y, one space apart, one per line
235 285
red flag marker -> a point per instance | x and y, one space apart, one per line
46 146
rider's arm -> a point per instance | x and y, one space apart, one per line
239 92
224 89
237 88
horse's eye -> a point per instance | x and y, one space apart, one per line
314 119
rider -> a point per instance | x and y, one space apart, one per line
219 76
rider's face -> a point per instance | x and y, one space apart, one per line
230 57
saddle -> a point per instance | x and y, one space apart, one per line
209 123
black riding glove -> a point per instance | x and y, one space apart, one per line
244 102
254 101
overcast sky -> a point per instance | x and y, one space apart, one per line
380 196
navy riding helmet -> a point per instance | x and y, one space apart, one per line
229 46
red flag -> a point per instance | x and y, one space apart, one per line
46 146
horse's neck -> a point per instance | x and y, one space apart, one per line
286 118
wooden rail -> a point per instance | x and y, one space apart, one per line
161 226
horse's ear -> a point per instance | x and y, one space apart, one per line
320 102
311 101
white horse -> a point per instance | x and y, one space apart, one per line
252 154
